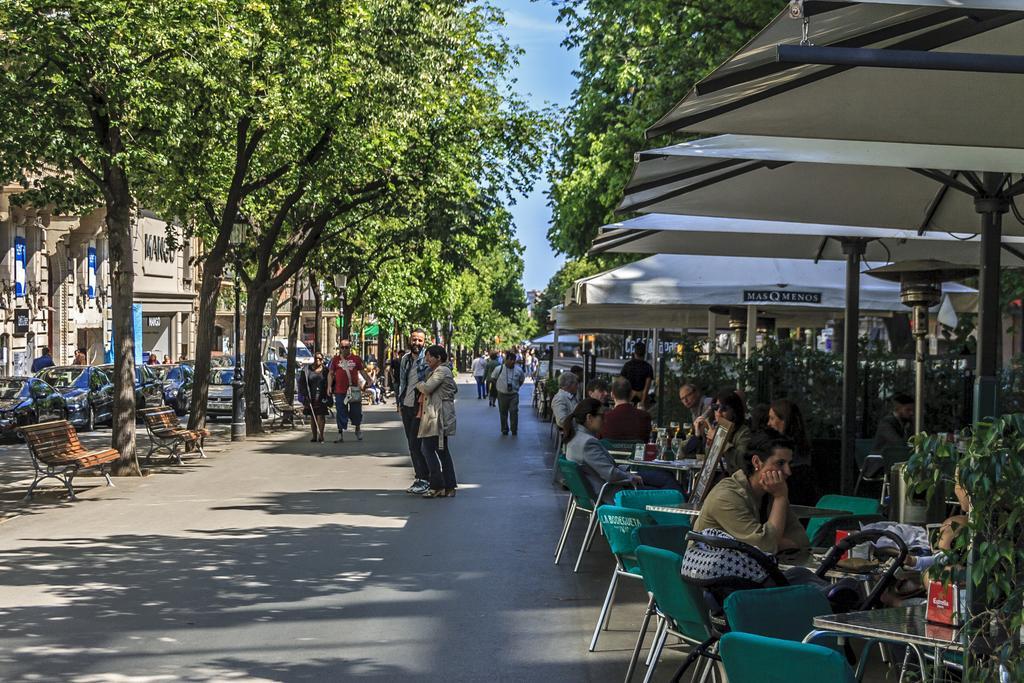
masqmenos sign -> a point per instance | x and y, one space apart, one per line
780 296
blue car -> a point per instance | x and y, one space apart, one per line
27 401
87 390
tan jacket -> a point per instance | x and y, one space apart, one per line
732 507
439 406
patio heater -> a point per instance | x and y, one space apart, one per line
921 288
236 241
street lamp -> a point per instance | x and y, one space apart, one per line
341 284
921 288
237 381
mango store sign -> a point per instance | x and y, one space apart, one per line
780 296
158 259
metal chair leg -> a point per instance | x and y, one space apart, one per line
656 654
657 634
640 640
602 618
569 512
588 538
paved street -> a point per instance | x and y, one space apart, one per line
285 560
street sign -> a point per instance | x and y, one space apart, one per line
21 321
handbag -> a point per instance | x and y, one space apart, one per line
704 563
354 395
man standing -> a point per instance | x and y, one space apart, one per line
625 422
489 368
896 428
45 360
480 375
508 377
346 369
639 373
412 370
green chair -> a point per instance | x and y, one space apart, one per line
862 509
787 612
750 658
639 499
581 499
680 606
618 525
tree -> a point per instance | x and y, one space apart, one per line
637 59
88 91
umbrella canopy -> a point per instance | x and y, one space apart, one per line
831 182
776 86
658 233
549 338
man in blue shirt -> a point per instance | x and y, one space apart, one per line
507 378
44 361
412 370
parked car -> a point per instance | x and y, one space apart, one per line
177 381
276 369
218 401
149 390
26 401
278 346
88 393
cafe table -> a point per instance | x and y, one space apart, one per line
688 467
899 625
801 511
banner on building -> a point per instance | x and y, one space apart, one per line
136 335
20 265
91 272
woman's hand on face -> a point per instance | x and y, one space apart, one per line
774 483
700 425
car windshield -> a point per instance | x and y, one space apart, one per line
223 376
65 378
160 371
175 373
301 352
13 388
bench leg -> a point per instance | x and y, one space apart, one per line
68 477
106 475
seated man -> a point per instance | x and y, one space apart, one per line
625 422
896 428
564 401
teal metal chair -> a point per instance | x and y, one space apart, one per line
787 612
619 525
862 510
639 499
750 658
680 606
581 499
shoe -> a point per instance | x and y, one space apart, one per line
504 433
359 434
435 493
341 438
515 433
313 440
418 487
449 493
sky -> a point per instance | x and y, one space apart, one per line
544 76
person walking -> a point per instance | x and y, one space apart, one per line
489 368
314 395
508 377
45 360
437 424
480 375
412 369
346 370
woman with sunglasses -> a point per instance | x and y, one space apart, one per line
437 423
727 406
314 395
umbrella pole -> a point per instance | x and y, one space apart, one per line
751 330
854 250
991 208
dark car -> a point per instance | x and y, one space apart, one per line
149 390
87 390
276 369
26 401
177 380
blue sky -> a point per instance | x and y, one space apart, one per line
544 76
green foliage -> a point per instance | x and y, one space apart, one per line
637 59
991 471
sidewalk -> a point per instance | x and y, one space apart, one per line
284 560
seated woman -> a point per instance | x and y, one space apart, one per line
785 417
734 504
727 406
582 446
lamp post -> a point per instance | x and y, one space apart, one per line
237 381
921 288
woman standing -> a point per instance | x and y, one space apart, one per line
438 423
785 417
314 395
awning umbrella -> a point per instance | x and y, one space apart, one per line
959 76
842 183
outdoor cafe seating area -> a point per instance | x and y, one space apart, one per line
727 627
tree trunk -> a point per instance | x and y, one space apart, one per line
318 308
255 306
209 292
122 286
294 320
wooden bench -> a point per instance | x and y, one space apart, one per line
58 454
167 434
282 409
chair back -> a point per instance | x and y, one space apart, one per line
618 525
665 536
641 498
576 483
750 658
785 613
852 504
861 450
680 602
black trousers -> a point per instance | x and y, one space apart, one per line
439 462
412 426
